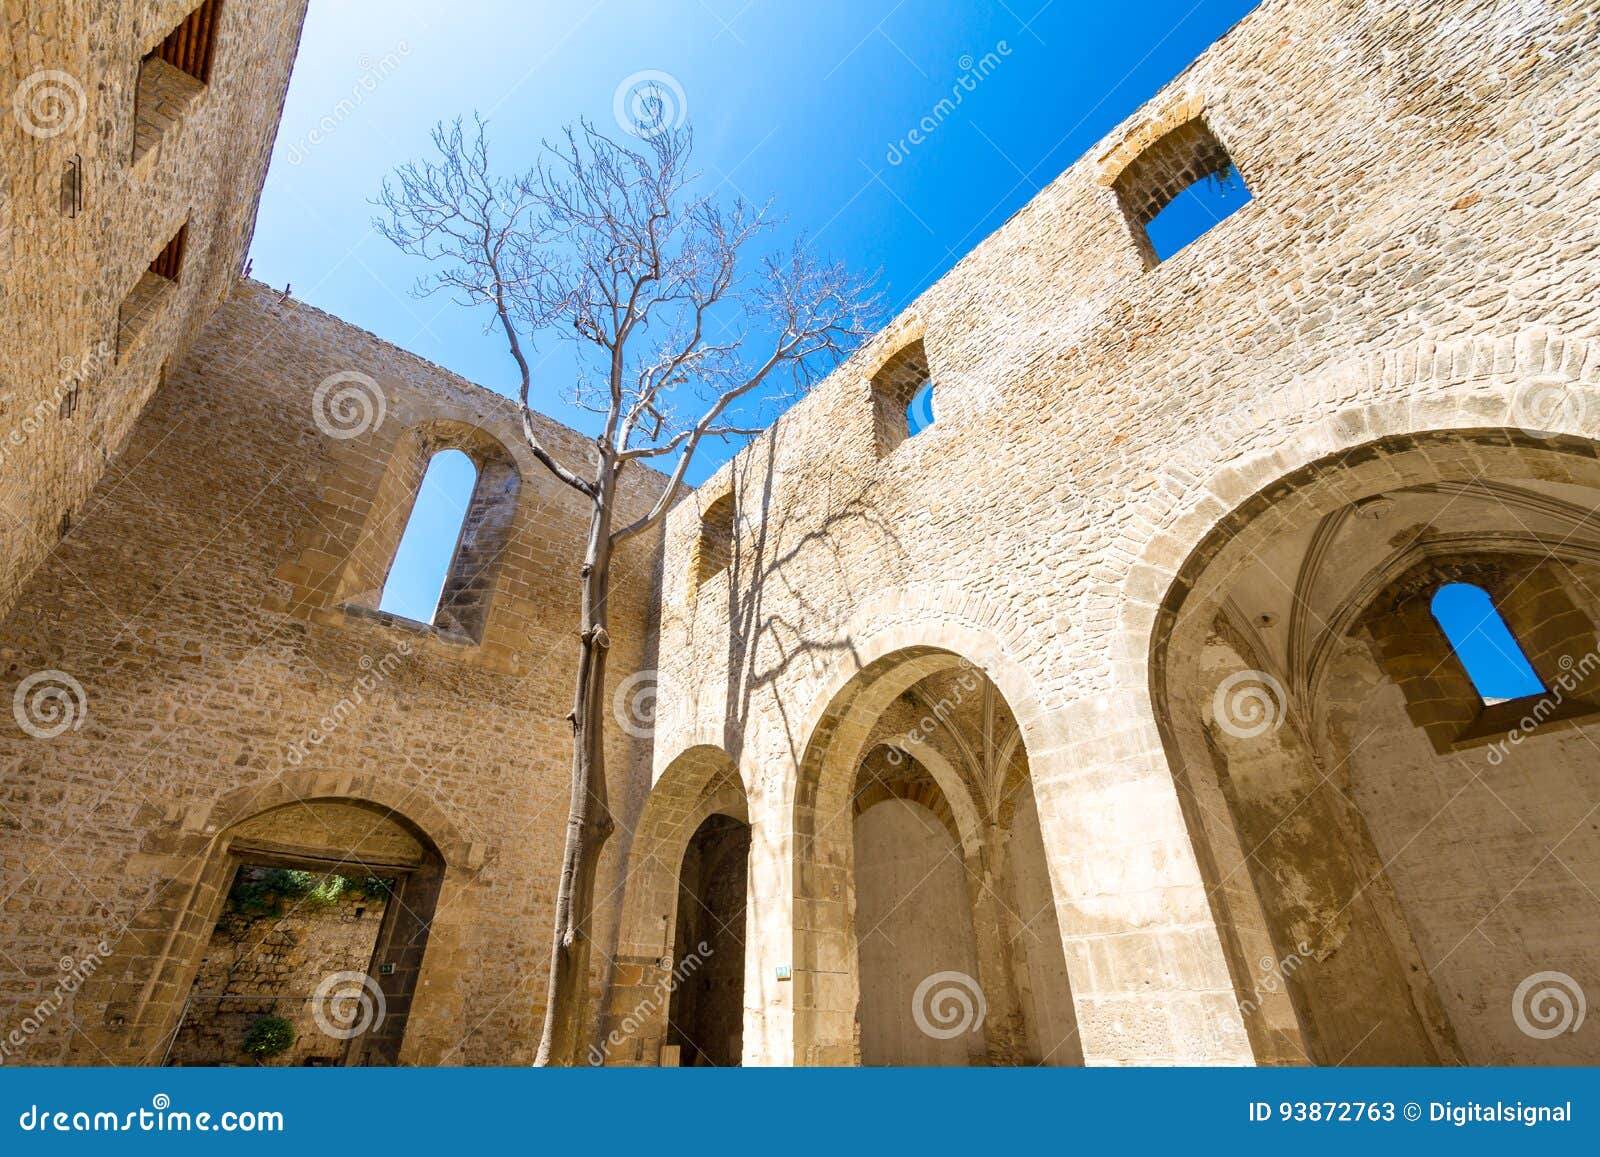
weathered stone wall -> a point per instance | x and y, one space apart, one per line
1409 301
198 607
1419 254
282 955
81 220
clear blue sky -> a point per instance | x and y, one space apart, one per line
803 103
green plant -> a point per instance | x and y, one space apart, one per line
273 891
1225 180
268 1037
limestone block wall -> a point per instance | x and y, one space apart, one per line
197 606
1419 254
281 956
82 217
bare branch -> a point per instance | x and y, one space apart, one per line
678 336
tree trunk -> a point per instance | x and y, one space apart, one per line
588 818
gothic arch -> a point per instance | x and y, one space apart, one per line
700 782
1306 855
1533 389
844 726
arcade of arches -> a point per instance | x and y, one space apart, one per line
1388 853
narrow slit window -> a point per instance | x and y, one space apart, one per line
1484 644
714 550
429 545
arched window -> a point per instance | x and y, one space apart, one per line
919 412
1177 189
1484 644
902 397
714 550
422 562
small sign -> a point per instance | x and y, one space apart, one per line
386 970
784 973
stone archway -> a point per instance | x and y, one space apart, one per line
145 986
659 967
915 825
705 1010
1390 870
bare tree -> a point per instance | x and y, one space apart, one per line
613 247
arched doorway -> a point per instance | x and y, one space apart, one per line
1401 864
705 1015
925 927
355 1011
678 990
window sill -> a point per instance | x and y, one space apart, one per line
1520 718
146 302
454 638
165 96
1176 259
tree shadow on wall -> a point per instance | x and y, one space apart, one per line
791 589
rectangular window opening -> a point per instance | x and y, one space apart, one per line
149 297
188 46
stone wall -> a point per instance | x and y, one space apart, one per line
1419 254
224 674
84 213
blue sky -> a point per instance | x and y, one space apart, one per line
810 105
1494 661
